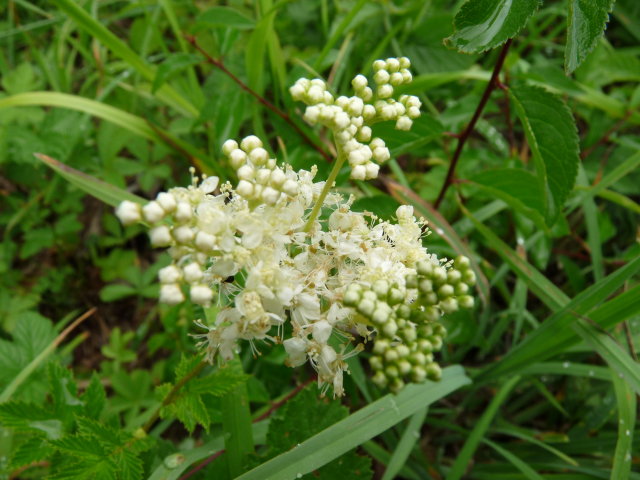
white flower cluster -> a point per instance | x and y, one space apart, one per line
259 261
351 118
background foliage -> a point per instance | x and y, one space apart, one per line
536 111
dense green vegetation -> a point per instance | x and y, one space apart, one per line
525 160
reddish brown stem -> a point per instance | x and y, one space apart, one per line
218 63
466 133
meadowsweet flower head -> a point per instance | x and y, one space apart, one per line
256 255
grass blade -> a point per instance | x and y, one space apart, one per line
357 428
626 401
103 191
406 444
475 437
526 470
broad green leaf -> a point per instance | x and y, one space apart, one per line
553 139
173 65
103 191
225 17
481 25
586 21
358 428
516 187
482 425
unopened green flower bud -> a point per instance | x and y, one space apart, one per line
391 371
376 362
380 379
462 262
403 311
351 298
439 275
461 289
469 277
434 372
453 276
396 385
395 296
425 267
404 367
390 329
418 374
380 316
425 285
391 355
366 307
432 314
381 346
445 291
408 334
411 281
449 305
466 301
381 288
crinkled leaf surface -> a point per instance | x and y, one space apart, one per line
586 21
481 25
553 139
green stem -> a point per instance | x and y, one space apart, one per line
337 165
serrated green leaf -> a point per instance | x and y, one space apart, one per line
219 383
552 136
27 417
94 397
481 25
32 335
33 450
586 21
516 187
186 406
224 17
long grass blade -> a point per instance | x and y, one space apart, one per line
357 428
477 434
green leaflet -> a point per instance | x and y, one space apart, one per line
553 138
481 25
586 21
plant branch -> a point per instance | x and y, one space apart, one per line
218 63
464 136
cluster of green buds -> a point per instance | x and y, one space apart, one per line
441 289
351 118
409 332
